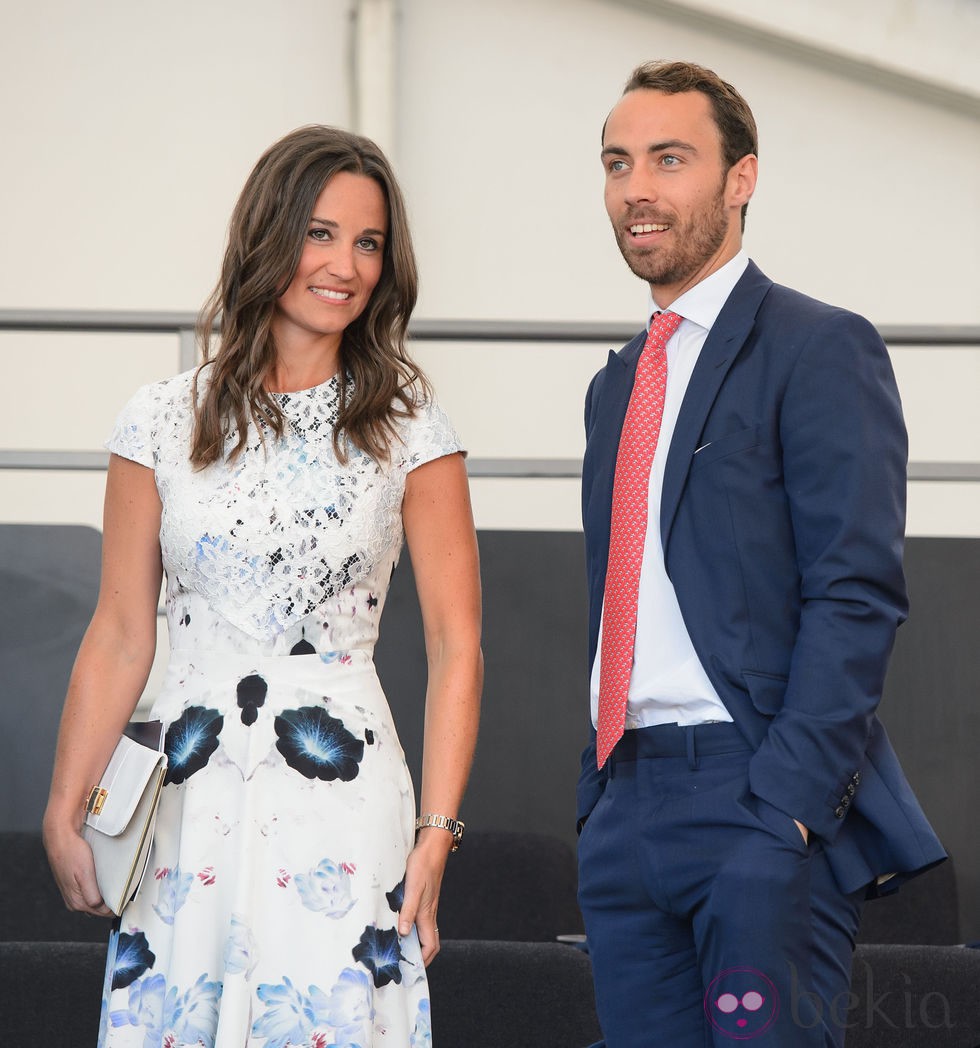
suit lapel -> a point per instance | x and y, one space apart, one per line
616 390
722 346
609 415
606 425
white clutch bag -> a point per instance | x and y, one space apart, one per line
121 810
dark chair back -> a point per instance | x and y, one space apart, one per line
50 993
914 997
512 995
31 907
924 912
518 887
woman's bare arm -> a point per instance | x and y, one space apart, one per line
110 672
442 542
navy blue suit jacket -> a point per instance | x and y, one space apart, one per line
783 519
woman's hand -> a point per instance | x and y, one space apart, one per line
423 880
74 870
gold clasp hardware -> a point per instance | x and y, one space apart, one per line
96 799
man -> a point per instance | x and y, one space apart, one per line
743 501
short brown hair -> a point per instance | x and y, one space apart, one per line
733 117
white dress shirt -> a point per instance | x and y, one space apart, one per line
668 683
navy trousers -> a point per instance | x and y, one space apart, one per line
709 920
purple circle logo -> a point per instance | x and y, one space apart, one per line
741 1003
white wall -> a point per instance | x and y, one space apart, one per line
128 131
865 199
933 41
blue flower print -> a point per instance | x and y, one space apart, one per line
346 1009
147 998
190 741
396 897
111 953
172 893
133 957
380 952
194 1018
288 1018
318 745
422 1034
326 889
241 949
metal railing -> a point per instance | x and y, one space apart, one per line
614 334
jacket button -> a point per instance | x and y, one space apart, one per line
850 790
839 812
856 778
845 801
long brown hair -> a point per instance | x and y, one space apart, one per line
379 382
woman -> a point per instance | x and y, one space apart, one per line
273 486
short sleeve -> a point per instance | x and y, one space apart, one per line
428 435
133 434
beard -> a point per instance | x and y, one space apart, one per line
695 242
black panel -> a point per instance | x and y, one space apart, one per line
931 707
536 699
49 582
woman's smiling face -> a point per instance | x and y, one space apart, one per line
343 254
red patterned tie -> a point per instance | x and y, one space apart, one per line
627 531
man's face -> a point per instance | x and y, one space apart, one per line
673 207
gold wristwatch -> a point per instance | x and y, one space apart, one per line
443 822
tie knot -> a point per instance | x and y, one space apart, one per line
662 326
665 321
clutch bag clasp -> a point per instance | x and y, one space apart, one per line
96 799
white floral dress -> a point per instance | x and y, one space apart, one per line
268 916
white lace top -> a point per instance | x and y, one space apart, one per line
284 549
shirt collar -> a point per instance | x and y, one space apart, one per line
702 303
